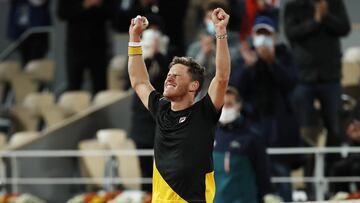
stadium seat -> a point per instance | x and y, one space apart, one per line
37 101
2 140
27 115
21 138
74 101
41 70
23 119
69 103
116 73
107 96
8 69
110 137
92 166
22 85
129 166
351 72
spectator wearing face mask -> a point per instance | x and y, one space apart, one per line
203 51
240 161
203 48
234 22
255 8
265 77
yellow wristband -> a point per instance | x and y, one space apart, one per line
134 51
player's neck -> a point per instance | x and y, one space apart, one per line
182 104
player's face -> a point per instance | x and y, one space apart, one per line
231 102
177 82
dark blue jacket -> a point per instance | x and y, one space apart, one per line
23 15
242 137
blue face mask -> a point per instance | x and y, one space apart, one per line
210 27
263 40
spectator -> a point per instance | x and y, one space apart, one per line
129 9
174 11
255 8
242 173
154 41
154 53
203 51
265 79
87 40
350 166
234 23
314 29
24 15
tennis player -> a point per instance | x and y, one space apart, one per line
183 165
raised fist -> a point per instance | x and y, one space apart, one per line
138 25
220 19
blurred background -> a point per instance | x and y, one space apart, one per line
72 130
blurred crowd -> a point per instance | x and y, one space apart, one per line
275 86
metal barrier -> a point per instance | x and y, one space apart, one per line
319 179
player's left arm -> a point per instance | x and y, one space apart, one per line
219 83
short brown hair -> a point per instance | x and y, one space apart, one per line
195 70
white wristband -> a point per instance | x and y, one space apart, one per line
134 44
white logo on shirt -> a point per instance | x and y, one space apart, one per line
182 119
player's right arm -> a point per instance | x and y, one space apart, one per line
138 74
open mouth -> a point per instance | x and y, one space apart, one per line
169 85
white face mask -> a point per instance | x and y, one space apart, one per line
210 27
263 40
150 39
228 115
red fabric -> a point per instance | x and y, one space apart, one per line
248 19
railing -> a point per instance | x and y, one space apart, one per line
319 179
14 45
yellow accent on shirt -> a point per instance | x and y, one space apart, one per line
162 192
210 187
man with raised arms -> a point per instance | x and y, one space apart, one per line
183 165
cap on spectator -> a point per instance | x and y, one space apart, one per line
264 22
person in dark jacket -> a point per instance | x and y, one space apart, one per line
350 165
174 11
314 29
24 15
242 173
87 40
265 77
